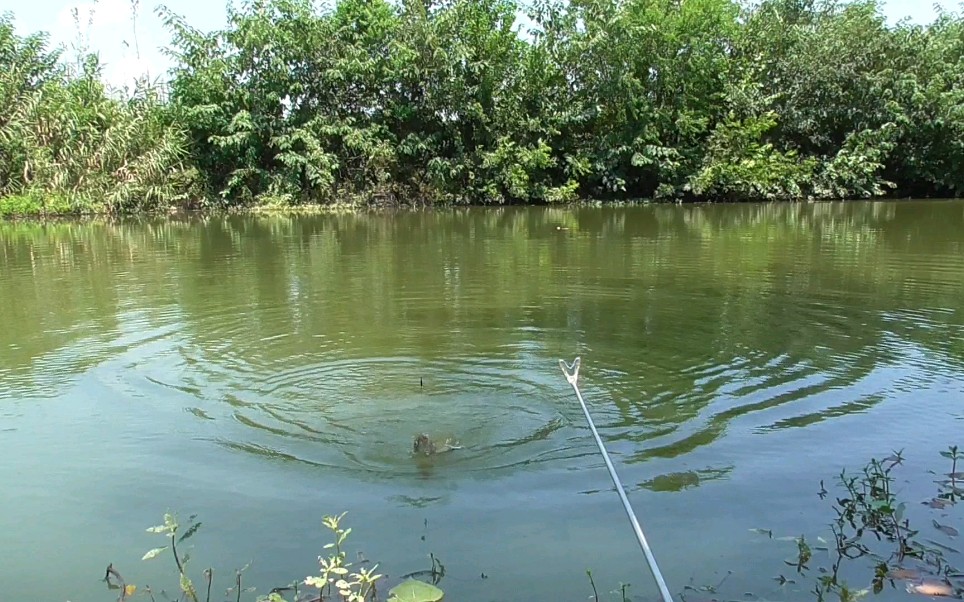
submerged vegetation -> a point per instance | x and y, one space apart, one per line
874 526
494 101
871 530
338 579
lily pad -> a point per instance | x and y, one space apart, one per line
414 590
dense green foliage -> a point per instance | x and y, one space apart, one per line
503 101
67 145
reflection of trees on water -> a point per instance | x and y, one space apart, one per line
57 301
677 481
688 317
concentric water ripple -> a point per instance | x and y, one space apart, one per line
362 414
732 358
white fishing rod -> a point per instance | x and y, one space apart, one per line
572 375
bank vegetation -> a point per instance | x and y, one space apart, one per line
493 101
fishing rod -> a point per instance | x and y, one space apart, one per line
572 375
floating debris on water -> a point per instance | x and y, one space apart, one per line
904 574
931 588
946 529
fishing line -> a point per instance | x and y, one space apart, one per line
572 375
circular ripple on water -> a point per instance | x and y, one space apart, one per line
363 414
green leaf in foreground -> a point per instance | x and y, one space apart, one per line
414 590
189 532
153 553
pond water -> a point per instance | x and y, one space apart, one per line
263 372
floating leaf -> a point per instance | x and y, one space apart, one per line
415 591
946 529
153 553
129 591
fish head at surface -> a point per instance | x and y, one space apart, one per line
423 444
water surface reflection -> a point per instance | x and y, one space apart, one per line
265 370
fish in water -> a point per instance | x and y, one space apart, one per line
425 445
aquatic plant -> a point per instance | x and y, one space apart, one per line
413 590
170 529
357 586
871 523
338 579
953 491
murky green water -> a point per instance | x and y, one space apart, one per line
263 372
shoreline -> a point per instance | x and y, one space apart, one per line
310 209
